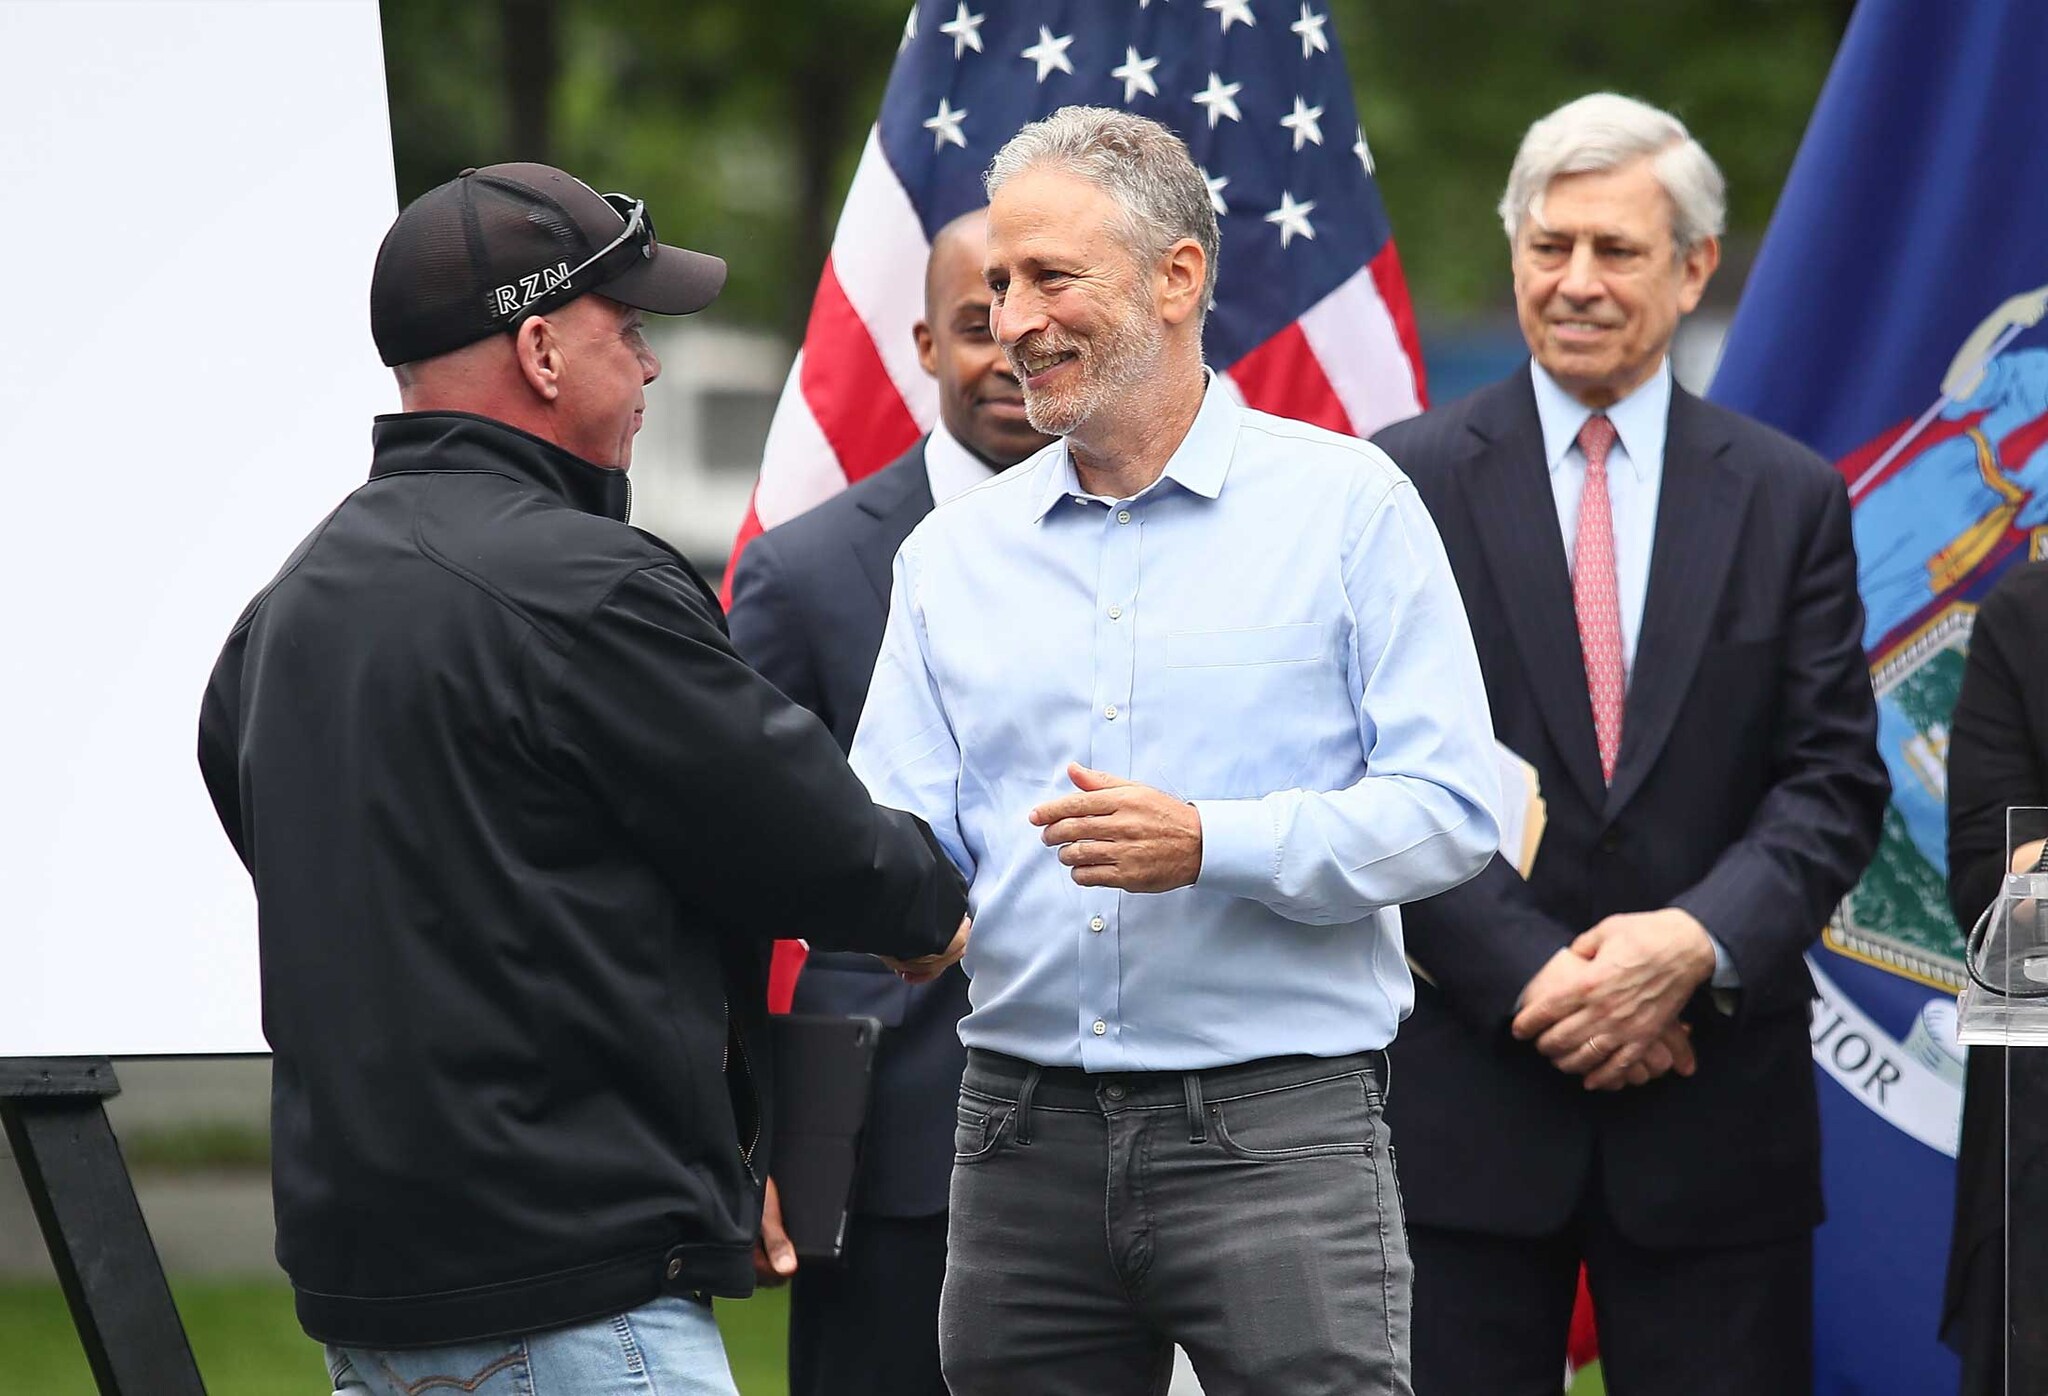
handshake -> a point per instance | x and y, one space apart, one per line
1606 1006
1110 832
925 968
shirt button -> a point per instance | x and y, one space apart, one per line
1100 1027
1116 613
1123 516
1110 712
1096 923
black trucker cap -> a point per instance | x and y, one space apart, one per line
491 248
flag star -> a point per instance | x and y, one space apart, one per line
1363 152
1050 53
946 126
964 28
1310 27
1136 75
1303 122
1292 218
1218 100
1237 10
909 30
1216 184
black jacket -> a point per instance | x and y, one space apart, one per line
521 826
1998 758
810 600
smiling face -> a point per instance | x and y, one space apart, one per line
1599 282
979 400
1074 311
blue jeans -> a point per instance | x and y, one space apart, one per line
670 1347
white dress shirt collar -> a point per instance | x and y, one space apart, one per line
1640 419
951 468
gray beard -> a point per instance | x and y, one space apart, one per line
1119 361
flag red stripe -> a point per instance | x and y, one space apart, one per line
848 387
1393 289
1284 377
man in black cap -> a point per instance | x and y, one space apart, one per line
521 824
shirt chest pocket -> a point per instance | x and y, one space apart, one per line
1234 649
1232 707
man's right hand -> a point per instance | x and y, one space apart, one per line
1571 975
774 1256
1671 1051
925 968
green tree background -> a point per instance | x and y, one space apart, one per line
741 120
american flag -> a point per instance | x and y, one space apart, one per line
1312 318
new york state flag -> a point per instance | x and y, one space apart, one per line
1894 322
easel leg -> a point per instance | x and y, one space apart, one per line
56 1123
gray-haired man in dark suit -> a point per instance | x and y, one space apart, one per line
1609 1060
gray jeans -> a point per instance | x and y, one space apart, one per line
1248 1213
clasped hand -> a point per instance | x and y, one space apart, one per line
1606 1007
1117 833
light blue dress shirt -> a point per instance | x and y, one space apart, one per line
1270 631
1635 478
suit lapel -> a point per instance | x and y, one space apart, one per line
902 497
1699 519
1515 514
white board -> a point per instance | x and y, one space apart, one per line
191 197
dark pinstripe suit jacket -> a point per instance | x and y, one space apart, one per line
1749 791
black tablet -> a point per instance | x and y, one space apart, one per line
824 1067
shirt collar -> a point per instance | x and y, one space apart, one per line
950 467
1641 419
1199 464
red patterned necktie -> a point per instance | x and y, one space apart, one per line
1595 596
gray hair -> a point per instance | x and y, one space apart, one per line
1143 167
1605 131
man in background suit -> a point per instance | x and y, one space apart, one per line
1611 1060
810 599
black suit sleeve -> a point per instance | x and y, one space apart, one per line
1771 891
768 629
1481 944
1993 761
740 795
